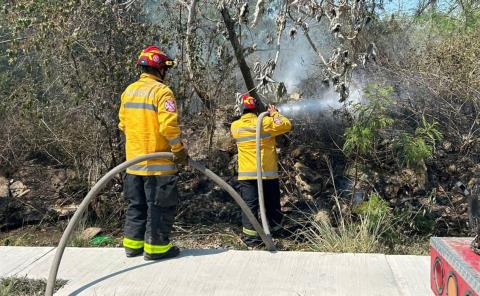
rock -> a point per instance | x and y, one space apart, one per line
475 169
473 183
392 190
298 152
458 199
67 210
37 193
18 189
447 146
408 180
4 188
308 181
90 233
452 168
58 180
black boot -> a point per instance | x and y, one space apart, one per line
133 252
252 242
172 252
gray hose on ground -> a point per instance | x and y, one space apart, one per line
103 182
261 199
219 181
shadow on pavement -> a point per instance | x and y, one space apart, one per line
184 253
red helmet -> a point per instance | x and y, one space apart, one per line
248 103
154 57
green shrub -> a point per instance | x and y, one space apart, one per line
375 210
414 150
370 120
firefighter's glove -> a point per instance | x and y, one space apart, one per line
272 110
181 157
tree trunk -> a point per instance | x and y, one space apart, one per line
237 47
202 93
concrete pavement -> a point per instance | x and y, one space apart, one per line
106 271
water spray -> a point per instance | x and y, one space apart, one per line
324 100
302 108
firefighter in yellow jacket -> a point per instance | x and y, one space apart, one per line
243 131
148 117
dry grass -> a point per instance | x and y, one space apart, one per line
14 286
363 236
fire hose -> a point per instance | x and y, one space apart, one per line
123 166
261 199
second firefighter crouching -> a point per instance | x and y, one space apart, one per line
243 131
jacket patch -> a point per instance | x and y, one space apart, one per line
277 120
170 106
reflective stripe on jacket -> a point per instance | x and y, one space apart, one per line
243 131
148 117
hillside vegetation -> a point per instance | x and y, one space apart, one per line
374 172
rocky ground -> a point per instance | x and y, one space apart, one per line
36 202
37 193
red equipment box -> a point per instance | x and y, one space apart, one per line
455 268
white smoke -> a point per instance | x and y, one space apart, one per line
297 60
324 103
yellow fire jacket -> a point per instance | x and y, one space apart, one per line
148 117
243 131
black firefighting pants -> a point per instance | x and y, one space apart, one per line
152 202
271 192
